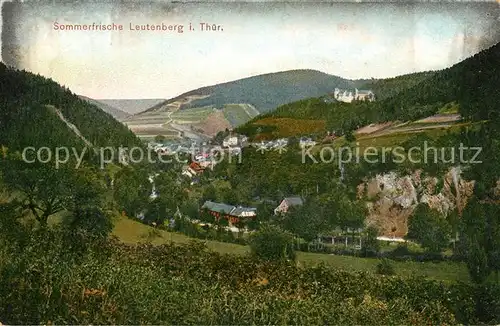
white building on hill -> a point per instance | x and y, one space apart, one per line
349 96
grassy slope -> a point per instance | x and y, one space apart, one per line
132 232
236 114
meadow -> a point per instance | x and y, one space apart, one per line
134 232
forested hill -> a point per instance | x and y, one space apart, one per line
472 83
36 111
265 92
473 80
389 87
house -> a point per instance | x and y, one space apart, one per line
230 141
232 213
306 142
288 202
235 140
192 169
364 95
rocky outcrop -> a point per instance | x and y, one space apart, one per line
391 198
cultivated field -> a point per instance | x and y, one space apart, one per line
238 114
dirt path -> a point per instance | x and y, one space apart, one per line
70 125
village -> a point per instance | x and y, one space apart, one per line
204 157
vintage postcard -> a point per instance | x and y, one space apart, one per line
250 162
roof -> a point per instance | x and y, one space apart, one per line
227 209
218 207
366 92
195 166
240 210
292 201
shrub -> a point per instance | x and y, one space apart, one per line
385 267
272 243
401 250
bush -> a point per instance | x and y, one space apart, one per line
115 283
385 267
401 250
272 243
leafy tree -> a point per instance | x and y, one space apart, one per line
45 190
157 211
160 138
132 190
241 224
169 190
85 228
429 228
210 193
371 246
190 208
349 136
272 243
304 221
480 238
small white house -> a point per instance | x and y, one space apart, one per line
306 142
230 141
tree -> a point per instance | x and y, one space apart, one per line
190 209
132 190
169 190
240 224
349 136
210 193
429 228
480 238
45 190
304 221
272 243
86 227
160 138
371 245
342 211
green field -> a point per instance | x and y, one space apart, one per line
238 114
132 232
192 115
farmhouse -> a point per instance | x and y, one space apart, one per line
232 213
286 203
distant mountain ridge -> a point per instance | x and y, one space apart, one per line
116 113
131 106
264 92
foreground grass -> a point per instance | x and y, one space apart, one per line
133 232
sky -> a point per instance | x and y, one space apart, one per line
351 40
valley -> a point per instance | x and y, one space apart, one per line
252 233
